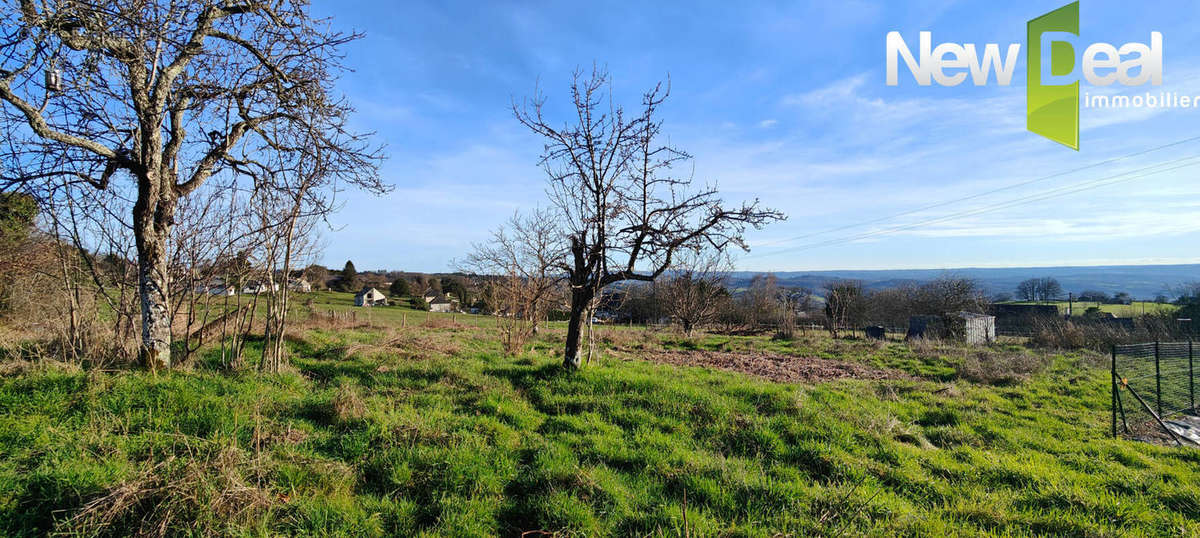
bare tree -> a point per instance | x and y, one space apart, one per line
1049 289
759 304
694 291
1039 289
947 294
623 212
169 93
1027 290
521 259
845 305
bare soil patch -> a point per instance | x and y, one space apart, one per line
778 368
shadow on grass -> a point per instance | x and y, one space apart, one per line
34 509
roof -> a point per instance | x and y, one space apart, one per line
441 299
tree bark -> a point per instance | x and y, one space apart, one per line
153 215
580 297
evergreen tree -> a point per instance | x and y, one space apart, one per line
400 288
349 280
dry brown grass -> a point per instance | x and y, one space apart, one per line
20 366
626 339
320 321
195 497
778 368
422 342
348 405
435 322
926 346
1001 368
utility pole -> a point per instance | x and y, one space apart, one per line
1070 304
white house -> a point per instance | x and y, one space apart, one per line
216 286
222 289
300 285
443 303
370 297
256 287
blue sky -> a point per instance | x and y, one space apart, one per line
785 102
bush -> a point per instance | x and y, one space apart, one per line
418 303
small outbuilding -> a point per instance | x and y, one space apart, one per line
443 303
1023 318
875 332
370 297
222 289
258 287
974 329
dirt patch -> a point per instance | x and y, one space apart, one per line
1185 427
778 368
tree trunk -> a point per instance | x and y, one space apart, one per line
153 215
580 297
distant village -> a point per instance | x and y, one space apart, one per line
944 309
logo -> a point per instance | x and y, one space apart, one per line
1052 78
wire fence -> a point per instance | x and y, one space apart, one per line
1151 383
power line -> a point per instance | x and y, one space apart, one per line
982 194
1045 195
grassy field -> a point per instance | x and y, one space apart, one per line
428 430
1136 308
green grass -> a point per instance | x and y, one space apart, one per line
398 311
422 431
1134 309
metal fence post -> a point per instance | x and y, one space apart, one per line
1157 380
1191 378
1114 391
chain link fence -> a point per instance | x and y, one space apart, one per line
1153 384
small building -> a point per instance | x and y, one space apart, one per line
221 289
442 303
370 297
215 286
1023 318
256 287
875 332
974 329
429 295
299 285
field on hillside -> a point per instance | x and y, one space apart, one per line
1134 309
427 429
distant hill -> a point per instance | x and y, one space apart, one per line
1141 281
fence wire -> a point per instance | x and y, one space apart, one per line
1151 383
